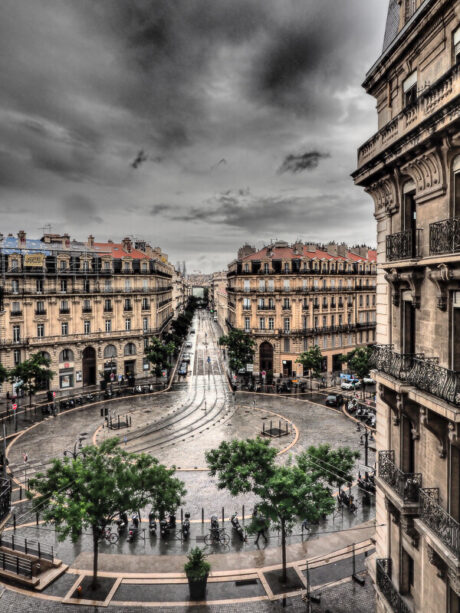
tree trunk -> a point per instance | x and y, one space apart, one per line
95 555
283 550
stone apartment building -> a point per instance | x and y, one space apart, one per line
292 297
219 299
411 168
90 307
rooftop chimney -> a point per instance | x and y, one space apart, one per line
21 238
90 242
127 244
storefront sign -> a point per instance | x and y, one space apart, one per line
34 259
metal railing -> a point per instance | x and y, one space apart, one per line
27 546
385 585
446 528
5 497
390 362
406 485
15 564
428 376
445 236
402 245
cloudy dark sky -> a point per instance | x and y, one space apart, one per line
249 113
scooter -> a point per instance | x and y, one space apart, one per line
122 523
133 531
237 527
167 525
152 523
185 528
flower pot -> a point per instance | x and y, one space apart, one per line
197 587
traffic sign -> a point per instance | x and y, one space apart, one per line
14 406
209 360
263 373
112 376
54 394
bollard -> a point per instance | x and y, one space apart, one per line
287 428
37 518
39 550
14 522
118 422
202 515
20 492
271 426
279 428
243 514
25 546
263 429
223 517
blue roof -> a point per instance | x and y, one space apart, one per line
33 245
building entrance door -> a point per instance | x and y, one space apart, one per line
266 357
287 368
89 366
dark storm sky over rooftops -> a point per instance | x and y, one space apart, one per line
249 114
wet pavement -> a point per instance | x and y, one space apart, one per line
178 427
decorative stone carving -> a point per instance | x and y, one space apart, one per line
410 280
437 562
444 278
437 425
427 171
384 194
454 581
393 280
454 433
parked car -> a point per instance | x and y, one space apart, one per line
186 357
350 385
183 369
334 400
189 344
368 381
192 331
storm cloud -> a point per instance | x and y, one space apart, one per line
218 94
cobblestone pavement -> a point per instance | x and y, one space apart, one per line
345 597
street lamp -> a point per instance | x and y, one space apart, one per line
74 454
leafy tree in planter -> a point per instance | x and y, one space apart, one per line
240 348
34 374
312 360
359 362
286 493
88 492
159 354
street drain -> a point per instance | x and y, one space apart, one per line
246 582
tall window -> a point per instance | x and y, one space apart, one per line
456 184
87 327
247 304
127 324
15 286
145 304
262 323
16 333
63 285
266 268
17 356
39 286
261 285
127 285
145 324
271 323
457 46
271 285
86 285
410 89
64 328
107 285
40 307
15 308
246 285
287 345
287 324
108 325
286 284
107 304
40 330
247 324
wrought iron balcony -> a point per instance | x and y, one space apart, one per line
445 236
402 245
428 376
444 526
388 361
385 585
406 485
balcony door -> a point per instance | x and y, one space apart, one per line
407 324
455 333
456 186
409 217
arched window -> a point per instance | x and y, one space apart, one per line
46 355
110 351
130 349
66 355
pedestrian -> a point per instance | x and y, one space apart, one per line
260 525
125 439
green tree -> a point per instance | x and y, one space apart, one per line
290 492
32 374
159 353
89 491
332 465
359 362
240 348
312 360
4 374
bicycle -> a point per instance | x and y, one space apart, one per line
218 536
109 536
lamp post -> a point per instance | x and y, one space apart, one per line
74 454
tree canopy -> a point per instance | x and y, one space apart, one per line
300 489
240 348
32 374
159 354
89 491
312 360
359 361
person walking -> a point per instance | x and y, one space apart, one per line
260 525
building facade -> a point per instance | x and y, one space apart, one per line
90 307
219 299
292 297
411 168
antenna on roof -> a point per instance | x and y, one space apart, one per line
46 229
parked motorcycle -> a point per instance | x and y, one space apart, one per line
237 527
122 523
185 528
346 500
133 531
152 523
167 525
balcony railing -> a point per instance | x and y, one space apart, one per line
428 376
406 485
402 245
445 236
40 311
64 311
446 528
385 585
388 361
16 313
